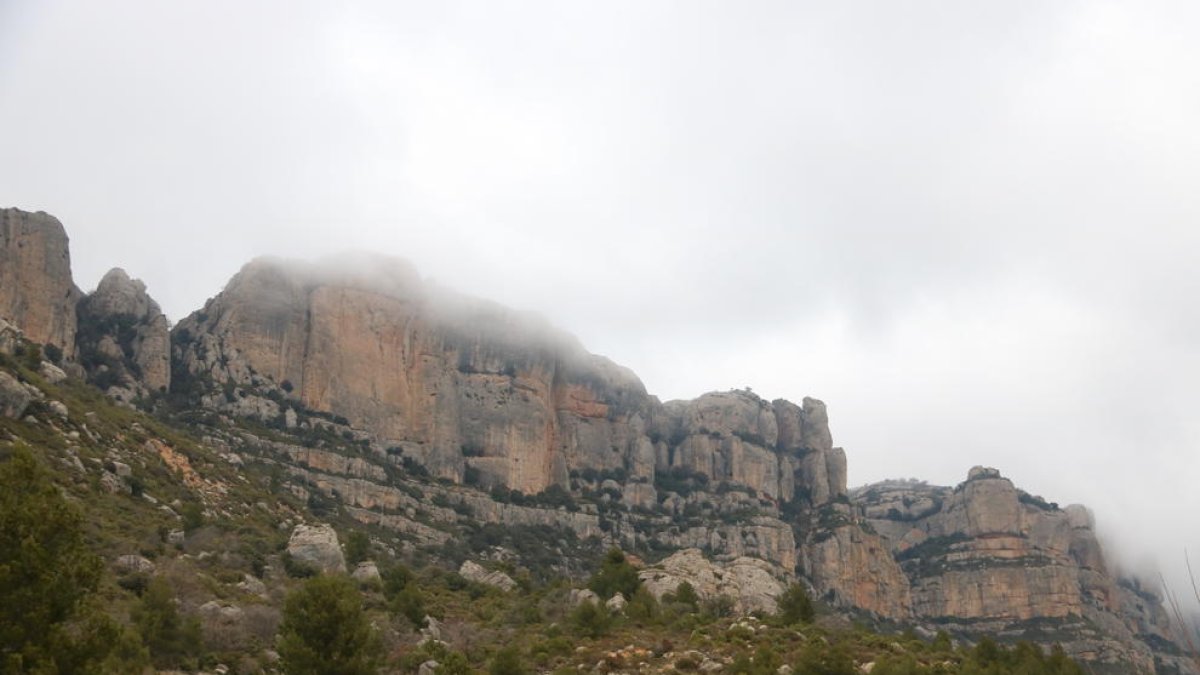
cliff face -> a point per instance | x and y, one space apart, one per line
411 375
37 293
454 382
466 387
123 339
987 554
494 398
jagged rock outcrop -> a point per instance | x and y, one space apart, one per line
317 545
752 584
994 557
37 293
124 340
472 571
779 449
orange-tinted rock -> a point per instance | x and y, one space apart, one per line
37 293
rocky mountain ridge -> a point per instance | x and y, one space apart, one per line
361 376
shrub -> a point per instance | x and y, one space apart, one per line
358 547
615 575
47 578
297 569
591 620
325 631
172 641
795 606
193 516
507 661
686 593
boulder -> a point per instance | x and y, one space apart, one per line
114 484
10 337
252 585
14 398
134 563
752 584
51 373
317 545
366 571
616 604
579 596
474 572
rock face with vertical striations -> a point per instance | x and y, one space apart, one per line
37 293
456 382
123 339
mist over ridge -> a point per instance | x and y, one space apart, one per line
969 230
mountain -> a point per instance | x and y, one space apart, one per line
377 401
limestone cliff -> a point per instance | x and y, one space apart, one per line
37 293
455 382
472 390
380 377
988 555
123 338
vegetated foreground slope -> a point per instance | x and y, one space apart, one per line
450 431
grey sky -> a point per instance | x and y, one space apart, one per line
971 228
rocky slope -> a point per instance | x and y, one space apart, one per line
357 386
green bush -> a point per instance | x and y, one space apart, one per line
507 661
358 547
591 620
297 569
171 640
48 577
795 606
325 631
615 575
193 516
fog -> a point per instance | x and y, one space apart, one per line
971 228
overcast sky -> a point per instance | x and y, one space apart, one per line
972 228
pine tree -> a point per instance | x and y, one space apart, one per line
326 632
47 574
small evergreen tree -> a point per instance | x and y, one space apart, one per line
615 575
172 641
358 547
325 631
591 620
47 576
686 593
795 606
